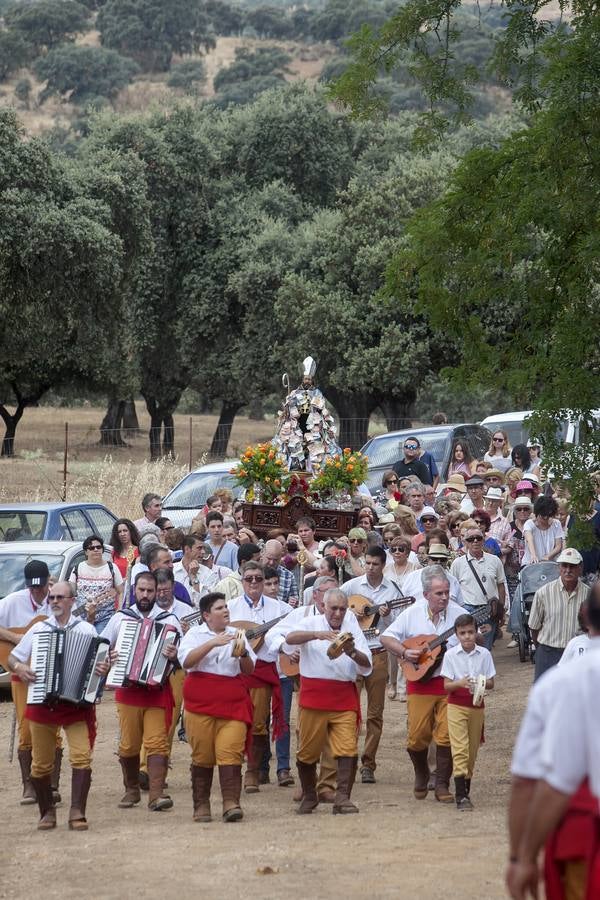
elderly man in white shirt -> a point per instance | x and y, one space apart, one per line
482 581
329 702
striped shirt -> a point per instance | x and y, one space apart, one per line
287 584
554 612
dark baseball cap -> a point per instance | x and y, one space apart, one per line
36 573
474 481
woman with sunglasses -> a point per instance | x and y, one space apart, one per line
99 584
124 539
522 459
390 495
499 451
483 520
461 461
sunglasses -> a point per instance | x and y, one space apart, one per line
169 528
59 597
392 481
355 540
95 547
427 519
473 539
411 446
398 549
253 579
498 440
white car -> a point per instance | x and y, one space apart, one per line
61 558
187 498
513 423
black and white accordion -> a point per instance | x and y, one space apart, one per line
64 661
140 644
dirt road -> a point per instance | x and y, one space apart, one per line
397 847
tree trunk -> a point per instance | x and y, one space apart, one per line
397 411
218 447
256 410
168 446
110 427
12 420
354 411
131 425
156 418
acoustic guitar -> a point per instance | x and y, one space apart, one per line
255 634
366 612
291 669
6 647
432 649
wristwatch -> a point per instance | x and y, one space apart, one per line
353 654
244 654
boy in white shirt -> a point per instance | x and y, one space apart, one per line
460 669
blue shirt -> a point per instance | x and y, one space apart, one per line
227 554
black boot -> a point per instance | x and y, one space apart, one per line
443 774
462 799
81 780
28 798
421 767
43 792
468 786
55 777
307 773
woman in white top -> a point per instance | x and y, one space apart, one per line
396 572
499 451
543 534
99 583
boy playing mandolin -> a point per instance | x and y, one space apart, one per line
461 668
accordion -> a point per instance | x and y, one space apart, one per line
64 661
140 644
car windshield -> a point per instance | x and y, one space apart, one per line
518 432
17 525
11 569
194 490
387 450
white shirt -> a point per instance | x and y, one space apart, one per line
412 586
417 620
18 609
22 651
572 736
275 639
457 663
543 538
217 661
111 630
314 662
177 609
208 579
267 609
491 574
576 648
376 595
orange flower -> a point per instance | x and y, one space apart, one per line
249 451
278 462
262 461
352 459
349 468
338 465
347 450
243 472
271 454
277 482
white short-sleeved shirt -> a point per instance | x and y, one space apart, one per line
490 572
459 664
543 539
417 620
503 463
275 639
22 651
576 648
381 594
413 586
571 738
314 662
267 609
18 609
217 661
111 629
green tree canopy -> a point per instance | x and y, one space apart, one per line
84 72
46 23
248 64
15 52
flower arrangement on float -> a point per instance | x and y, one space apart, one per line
261 473
340 476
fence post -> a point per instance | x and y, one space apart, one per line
65 462
190 447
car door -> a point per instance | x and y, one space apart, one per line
102 522
478 439
74 525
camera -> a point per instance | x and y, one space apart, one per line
292 546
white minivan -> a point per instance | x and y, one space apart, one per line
513 423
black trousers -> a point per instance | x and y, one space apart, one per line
545 658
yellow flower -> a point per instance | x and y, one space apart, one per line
352 460
338 465
267 480
262 461
278 462
277 482
243 472
354 481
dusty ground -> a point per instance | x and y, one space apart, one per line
397 847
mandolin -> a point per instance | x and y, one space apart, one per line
366 612
432 650
256 633
6 647
290 668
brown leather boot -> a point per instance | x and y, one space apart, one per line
307 772
259 745
81 780
158 764
443 775
55 777
43 792
131 781
421 767
28 798
346 773
230 779
202 777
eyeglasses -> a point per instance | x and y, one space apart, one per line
472 539
426 520
163 592
59 597
398 550
391 481
411 446
499 440
253 579
456 525
355 540
169 528
95 547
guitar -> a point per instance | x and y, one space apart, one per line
6 647
255 634
431 649
366 612
290 668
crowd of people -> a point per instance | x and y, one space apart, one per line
409 603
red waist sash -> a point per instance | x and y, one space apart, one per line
433 687
574 839
63 714
148 698
463 697
265 675
325 693
219 696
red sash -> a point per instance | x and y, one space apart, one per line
463 697
63 714
219 696
325 693
433 687
149 698
576 838
265 675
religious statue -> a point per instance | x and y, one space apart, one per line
306 433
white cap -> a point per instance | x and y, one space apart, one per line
494 493
428 511
570 555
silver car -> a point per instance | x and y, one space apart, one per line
189 495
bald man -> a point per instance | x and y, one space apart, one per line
288 589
